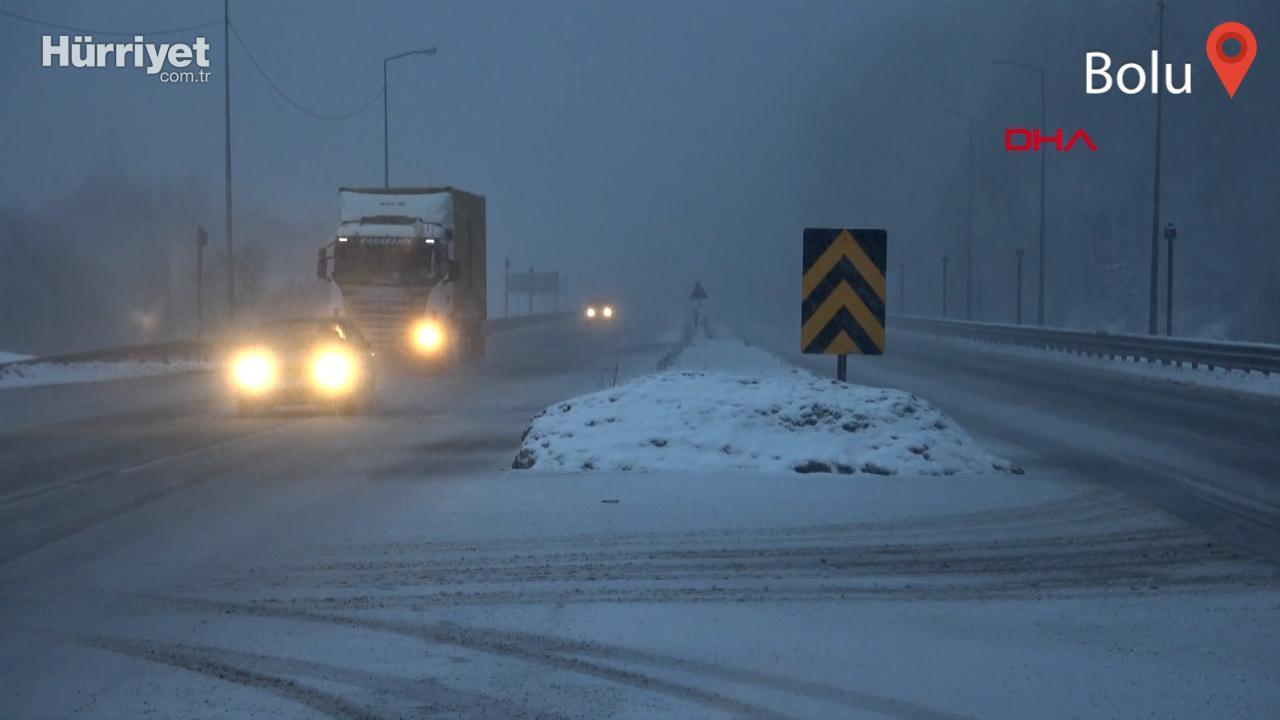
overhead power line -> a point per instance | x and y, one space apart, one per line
92 31
274 86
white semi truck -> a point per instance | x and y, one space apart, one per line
409 264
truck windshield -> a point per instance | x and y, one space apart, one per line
373 263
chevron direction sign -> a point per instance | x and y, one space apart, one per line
843 292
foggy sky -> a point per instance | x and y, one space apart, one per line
641 145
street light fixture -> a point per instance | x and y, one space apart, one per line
1040 290
386 152
968 250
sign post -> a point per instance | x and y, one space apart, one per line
697 296
842 294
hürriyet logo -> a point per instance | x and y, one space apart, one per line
167 60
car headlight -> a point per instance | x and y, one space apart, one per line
254 371
428 336
591 312
607 312
333 370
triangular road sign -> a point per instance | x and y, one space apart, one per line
698 293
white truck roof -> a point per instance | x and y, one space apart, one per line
431 205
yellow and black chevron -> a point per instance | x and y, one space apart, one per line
842 291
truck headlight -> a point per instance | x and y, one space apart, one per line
254 371
333 370
428 336
607 312
591 312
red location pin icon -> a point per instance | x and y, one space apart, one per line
1231 68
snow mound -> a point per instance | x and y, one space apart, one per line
794 420
66 373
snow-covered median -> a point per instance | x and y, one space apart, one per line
759 416
65 373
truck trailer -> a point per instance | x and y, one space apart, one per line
409 266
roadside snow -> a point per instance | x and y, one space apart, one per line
726 405
8 357
15 376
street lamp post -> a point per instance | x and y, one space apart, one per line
968 249
944 287
1170 232
1040 289
1018 283
386 151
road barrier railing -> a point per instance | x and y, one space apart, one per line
208 349
166 352
1241 356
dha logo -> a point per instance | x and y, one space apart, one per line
82 52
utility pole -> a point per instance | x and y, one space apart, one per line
530 289
1019 251
226 122
1170 232
1040 289
944 287
1040 281
968 248
506 283
386 131
202 239
1155 204
386 151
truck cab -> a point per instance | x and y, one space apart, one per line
409 264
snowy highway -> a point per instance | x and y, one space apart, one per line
1206 454
163 557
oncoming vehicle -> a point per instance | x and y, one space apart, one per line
599 312
409 265
323 362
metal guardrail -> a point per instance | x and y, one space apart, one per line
1245 357
493 325
202 350
176 351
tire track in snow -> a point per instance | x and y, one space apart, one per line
569 655
193 660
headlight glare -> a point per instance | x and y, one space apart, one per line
254 371
333 370
428 336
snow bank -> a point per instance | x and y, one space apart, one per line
66 373
8 357
760 416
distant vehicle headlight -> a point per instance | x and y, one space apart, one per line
333 370
428 336
591 312
608 311
254 371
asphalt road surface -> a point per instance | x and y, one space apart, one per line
164 558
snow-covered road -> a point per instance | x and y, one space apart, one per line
167 559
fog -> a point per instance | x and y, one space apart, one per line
638 147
